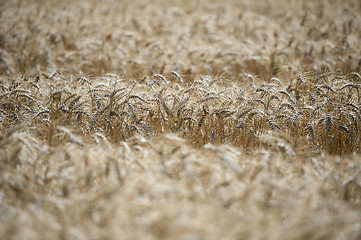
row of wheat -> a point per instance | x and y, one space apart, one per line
317 111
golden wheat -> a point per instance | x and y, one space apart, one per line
180 119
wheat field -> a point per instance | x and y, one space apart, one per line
180 119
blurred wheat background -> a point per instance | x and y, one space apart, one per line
180 119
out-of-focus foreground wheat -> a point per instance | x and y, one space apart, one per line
180 119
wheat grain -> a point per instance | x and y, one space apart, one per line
328 122
356 74
354 120
346 129
287 94
310 129
83 80
162 78
177 75
41 112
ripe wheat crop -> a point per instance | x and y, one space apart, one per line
180 119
